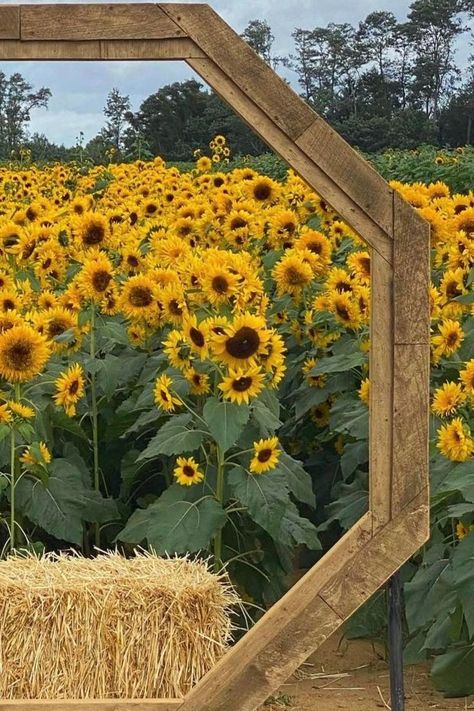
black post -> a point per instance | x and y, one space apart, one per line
395 643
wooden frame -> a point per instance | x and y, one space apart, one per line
397 523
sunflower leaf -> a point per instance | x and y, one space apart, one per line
177 522
225 420
175 437
265 496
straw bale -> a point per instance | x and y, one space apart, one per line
109 627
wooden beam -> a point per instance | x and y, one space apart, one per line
92 705
410 423
166 49
277 139
9 22
381 390
281 640
372 566
361 183
363 186
96 22
243 66
411 264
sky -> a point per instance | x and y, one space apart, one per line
80 88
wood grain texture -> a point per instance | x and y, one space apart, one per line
61 50
9 22
372 566
411 264
94 22
381 390
243 66
93 705
281 641
410 423
366 188
259 122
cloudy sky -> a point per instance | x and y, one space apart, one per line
80 88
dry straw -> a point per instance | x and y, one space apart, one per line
109 627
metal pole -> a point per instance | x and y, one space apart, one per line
395 643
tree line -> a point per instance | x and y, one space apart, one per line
381 84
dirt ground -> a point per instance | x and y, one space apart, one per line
352 675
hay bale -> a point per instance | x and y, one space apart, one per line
109 627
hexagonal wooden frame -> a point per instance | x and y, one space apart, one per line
397 523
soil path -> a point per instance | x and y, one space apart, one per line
354 676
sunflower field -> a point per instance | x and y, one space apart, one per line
184 365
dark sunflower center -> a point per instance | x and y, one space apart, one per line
237 222
452 339
132 260
56 327
288 227
11 240
165 395
242 384
151 208
314 247
196 337
101 280
244 343
140 296
295 277
264 455
220 285
74 387
343 312
188 471
343 286
8 305
175 308
262 191
20 356
468 227
365 265
31 214
452 289
94 234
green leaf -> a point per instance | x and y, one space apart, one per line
308 399
294 530
225 420
174 437
462 564
355 453
175 524
267 422
339 363
60 420
350 416
452 672
449 476
264 495
428 591
370 621
298 480
62 505
351 504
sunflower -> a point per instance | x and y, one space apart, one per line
317 243
96 276
314 381
359 264
164 397
197 335
23 353
455 441
345 309
242 341
364 391
467 377
177 350
203 164
241 385
24 411
9 300
449 338
36 454
219 285
199 382
263 189
70 388
139 297
187 472
54 323
92 230
292 274
5 414
266 455
447 399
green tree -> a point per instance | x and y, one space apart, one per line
258 34
116 110
17 99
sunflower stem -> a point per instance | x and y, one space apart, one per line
218 564
13 476
94 416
